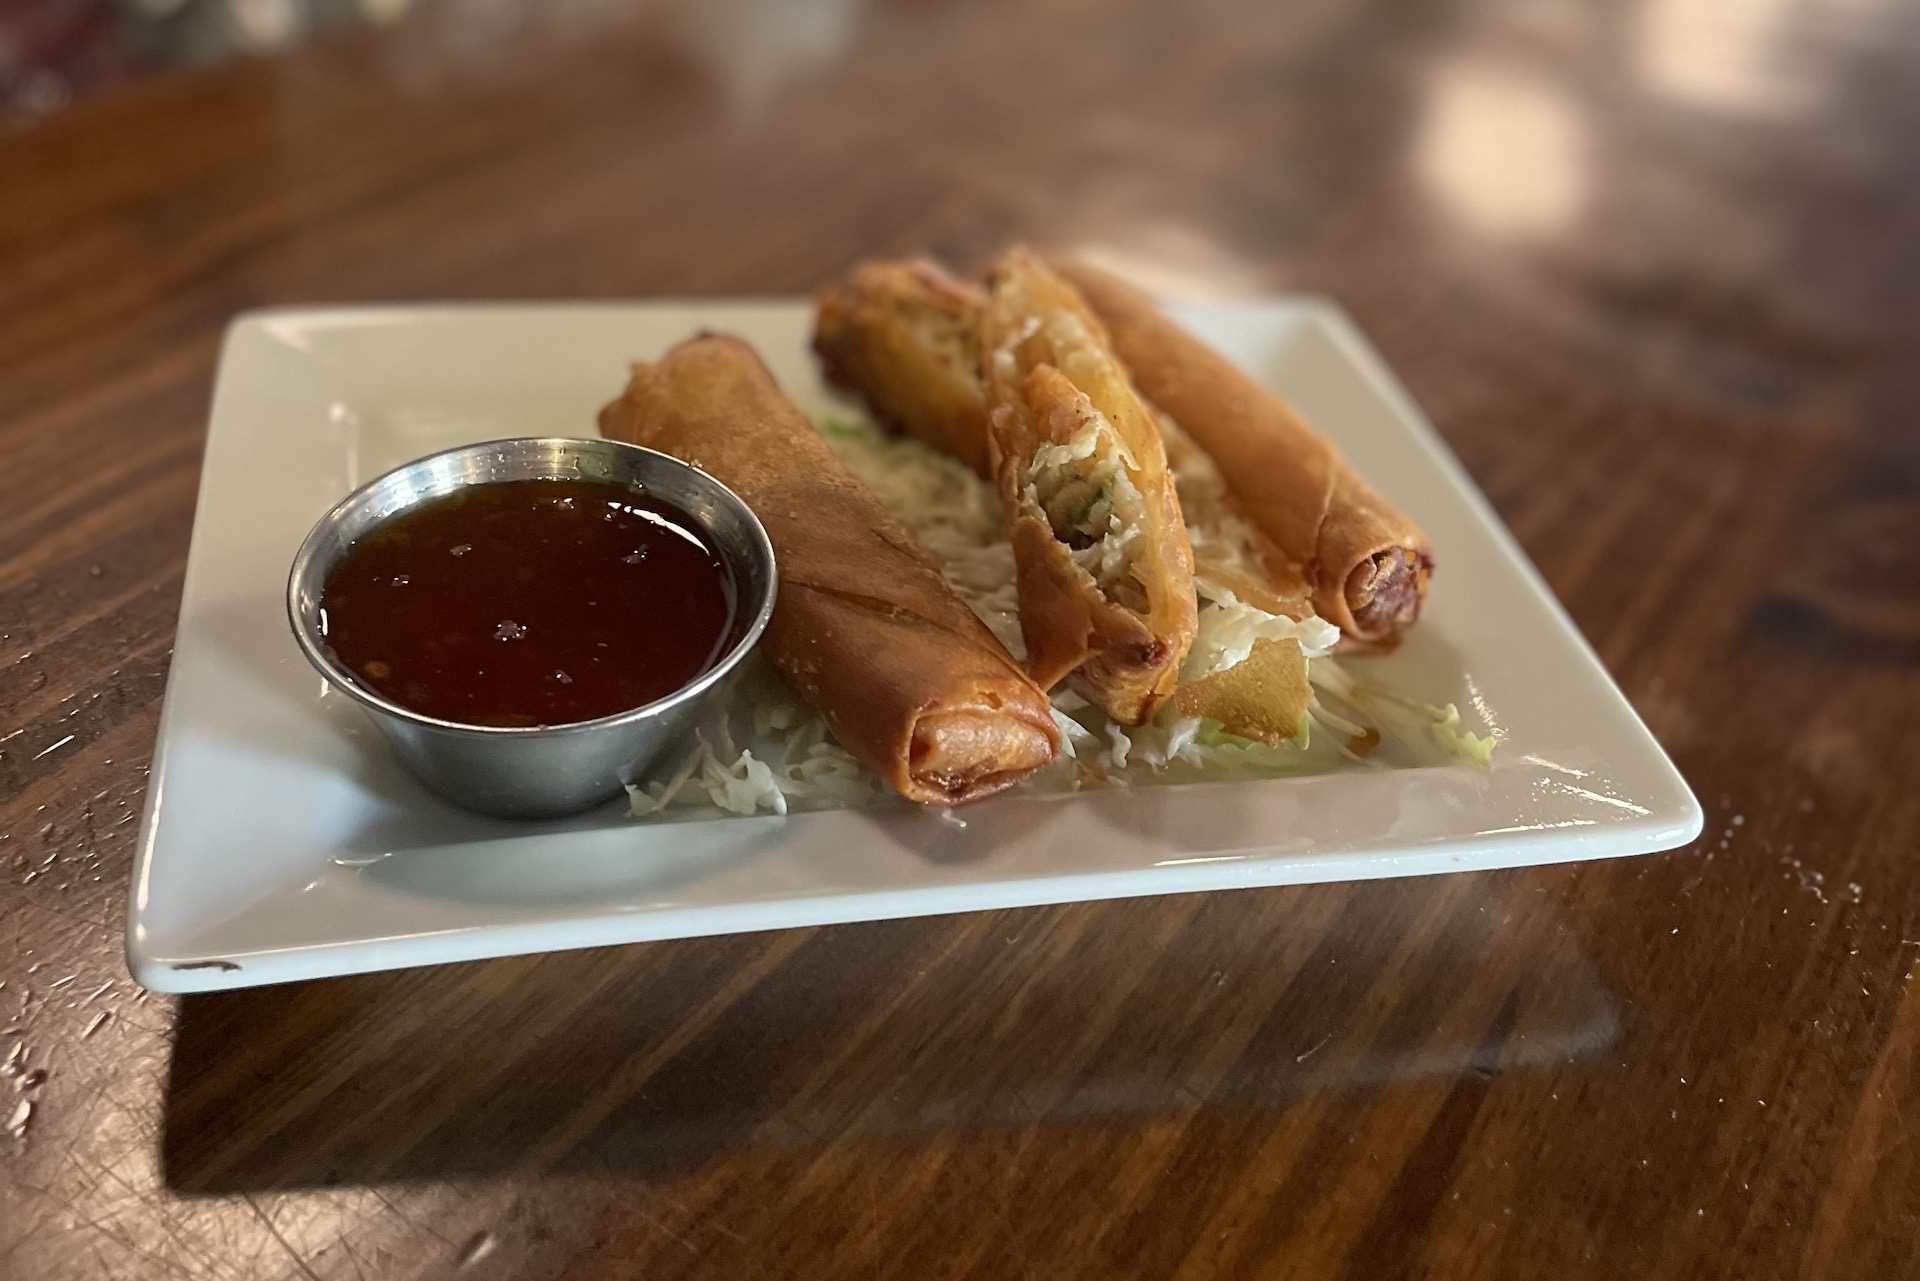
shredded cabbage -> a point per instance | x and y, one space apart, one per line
813 772
951 513
1084 489
762 750
1413 723
1229 627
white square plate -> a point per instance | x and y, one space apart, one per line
282 841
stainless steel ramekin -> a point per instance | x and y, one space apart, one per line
549 770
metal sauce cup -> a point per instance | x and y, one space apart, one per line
540 771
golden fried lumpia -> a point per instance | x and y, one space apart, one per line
906 337
906 677
1366 562
1230 552
1105 573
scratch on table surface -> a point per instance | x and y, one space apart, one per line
109 1231
656 1220
346 1244
200 1263
286 1245
478 1247
1302 1058
68 914
1013 1233
131 1247
688 1215
408 1219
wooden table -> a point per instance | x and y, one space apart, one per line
1654 270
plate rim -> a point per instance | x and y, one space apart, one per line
1650 831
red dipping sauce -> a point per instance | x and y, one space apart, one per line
530 602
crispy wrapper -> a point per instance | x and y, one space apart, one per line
1367 563
1116 634
906 677
905 336
1264 696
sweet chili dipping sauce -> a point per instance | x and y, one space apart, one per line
530 602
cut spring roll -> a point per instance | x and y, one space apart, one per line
905 336
1105 572
1366 562
1247 668
907 678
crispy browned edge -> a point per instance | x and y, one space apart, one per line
1122 661
865 628
1368 563
904 336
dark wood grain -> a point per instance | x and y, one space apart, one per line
1652 270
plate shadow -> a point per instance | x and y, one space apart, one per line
655 1059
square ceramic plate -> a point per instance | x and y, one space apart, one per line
282 841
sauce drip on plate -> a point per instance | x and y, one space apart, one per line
530 602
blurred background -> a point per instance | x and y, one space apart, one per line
1649 265
53 50
1742 56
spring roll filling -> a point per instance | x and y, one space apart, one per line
1384 591
1083 487
957 750
1084 484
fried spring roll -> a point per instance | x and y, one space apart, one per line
1229 551
1105 571
905 336
906 677
1367 563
